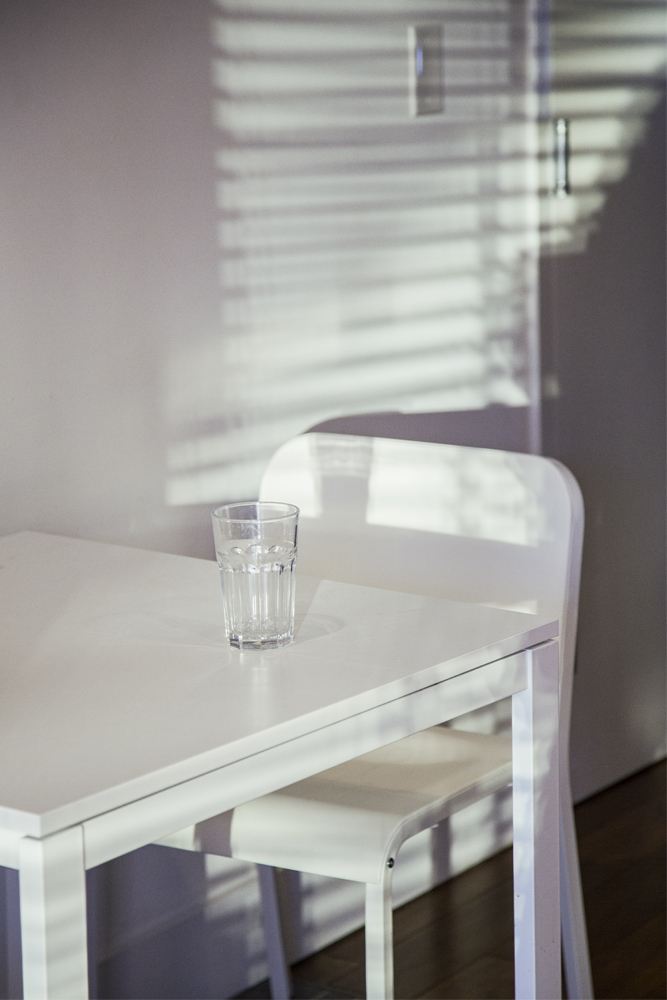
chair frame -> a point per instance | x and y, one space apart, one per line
378 903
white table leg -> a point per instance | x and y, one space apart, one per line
536 853
53 917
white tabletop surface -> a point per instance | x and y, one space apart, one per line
116 680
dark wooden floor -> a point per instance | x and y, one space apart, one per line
456 941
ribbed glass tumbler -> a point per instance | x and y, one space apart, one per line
255 545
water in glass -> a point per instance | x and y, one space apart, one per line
258 592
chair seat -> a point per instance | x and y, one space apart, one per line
348 821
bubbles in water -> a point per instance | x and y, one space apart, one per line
278 550
236 551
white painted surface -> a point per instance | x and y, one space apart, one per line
347 822
148 819
468 524
53 916
379 939
489 526
281 980
118 681
413 673
535 804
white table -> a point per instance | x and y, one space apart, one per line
124 716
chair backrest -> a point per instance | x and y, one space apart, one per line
468 524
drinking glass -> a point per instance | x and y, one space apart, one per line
255 545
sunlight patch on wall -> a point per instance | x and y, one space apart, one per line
368 260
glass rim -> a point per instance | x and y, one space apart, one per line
289 510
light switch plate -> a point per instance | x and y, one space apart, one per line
425 60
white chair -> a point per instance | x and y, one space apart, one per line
488 527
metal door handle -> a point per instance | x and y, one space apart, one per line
561 157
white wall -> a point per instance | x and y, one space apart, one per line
109 257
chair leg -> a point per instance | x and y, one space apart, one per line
281 982
379 940
576 959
